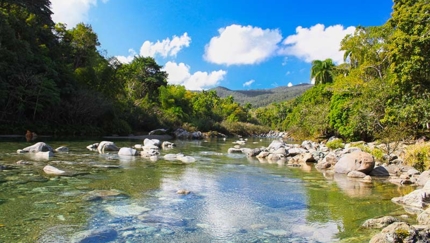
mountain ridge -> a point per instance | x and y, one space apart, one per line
262 97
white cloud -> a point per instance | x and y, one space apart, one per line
247 84
72 12
316 43
129 58
236 45
165 47
179 74
288 73
289 84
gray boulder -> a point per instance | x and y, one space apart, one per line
106 146
423 178
359 161
396 232
37 147
419 198
379 222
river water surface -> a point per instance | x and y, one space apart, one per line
131 199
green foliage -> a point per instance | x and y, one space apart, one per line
335 144
409 45
57 78
418 156
242 128
308 117
118 127
322 71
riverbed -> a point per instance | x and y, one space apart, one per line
220 197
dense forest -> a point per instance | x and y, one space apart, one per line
381 91
56 80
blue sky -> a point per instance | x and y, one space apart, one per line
237 44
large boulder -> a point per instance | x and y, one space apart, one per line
396 232
328 162
37 147
106 146
127 152
419 198
149 142
423 178
358 160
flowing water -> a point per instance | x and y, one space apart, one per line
132 199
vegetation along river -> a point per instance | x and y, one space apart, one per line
231 198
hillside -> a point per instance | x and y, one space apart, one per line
263 97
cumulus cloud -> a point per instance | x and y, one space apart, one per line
236 45
179 74
72 12
129 58
247 84
289 84
316 43
165 47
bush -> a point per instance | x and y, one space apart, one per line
335 144
375 152
418 156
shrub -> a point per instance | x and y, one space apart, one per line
335 144
418 156
375 152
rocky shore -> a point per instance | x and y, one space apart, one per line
357 163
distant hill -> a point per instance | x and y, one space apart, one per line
263 97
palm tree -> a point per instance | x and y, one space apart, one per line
322 71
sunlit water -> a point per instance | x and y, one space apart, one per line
232 198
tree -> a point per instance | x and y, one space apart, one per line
142 77
409 46
366 50
322 71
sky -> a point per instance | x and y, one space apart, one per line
237 44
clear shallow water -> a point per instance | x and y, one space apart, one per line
232 198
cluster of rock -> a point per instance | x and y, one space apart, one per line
150 150
42 150
395 230
184 134
356 163
274 134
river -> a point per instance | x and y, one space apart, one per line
220 197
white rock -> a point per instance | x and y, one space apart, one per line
62 149
127 152
51 170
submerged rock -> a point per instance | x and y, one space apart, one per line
126 210
95 235
103 195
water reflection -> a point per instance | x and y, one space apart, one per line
233 198
353 187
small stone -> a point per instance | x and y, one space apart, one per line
183 192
